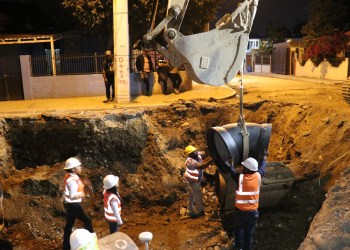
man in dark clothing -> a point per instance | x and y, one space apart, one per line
145 66
108 76
165 71
176 80
247 201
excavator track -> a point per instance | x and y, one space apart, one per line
346 91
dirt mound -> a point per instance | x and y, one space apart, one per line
145 148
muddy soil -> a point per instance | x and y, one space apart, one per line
144 146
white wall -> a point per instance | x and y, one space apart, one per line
323 71
66 86
262 68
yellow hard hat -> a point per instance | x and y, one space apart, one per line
189 149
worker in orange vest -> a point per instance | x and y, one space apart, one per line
193 176
247 201
112 202
72 198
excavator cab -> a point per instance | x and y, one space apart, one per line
213 57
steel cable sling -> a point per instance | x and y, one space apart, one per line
241 121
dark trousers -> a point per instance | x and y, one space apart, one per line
244 227
110 84
113 227
74 211
176 80
162 78
146 79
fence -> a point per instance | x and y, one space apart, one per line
10 78
77 63
262 64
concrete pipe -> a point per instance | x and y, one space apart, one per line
227 141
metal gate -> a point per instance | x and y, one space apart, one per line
279 61
11 86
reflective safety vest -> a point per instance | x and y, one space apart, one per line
72 177
107 198
193 174
247 193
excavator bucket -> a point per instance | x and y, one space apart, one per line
212 57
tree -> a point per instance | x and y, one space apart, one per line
277 33
324 32
326 47
95 16
296 29
326 17
35 16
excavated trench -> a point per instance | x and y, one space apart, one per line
141 146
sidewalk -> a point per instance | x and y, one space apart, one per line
308 79
96 103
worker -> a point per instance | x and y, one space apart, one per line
112 202
73 195
193 177
82 239
247 201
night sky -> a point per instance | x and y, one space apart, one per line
284 12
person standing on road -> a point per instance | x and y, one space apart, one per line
72 198
193 176
145 66
112 203
247 201
108 76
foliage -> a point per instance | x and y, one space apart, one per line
265 48
96 17
326 16
323 34
277 33
35 16
326 47
199 14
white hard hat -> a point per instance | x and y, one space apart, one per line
251 164
145 237
110 181
72 163
83 239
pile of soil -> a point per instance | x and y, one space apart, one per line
144 147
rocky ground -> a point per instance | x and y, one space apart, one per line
144 146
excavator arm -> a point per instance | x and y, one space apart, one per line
213 57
